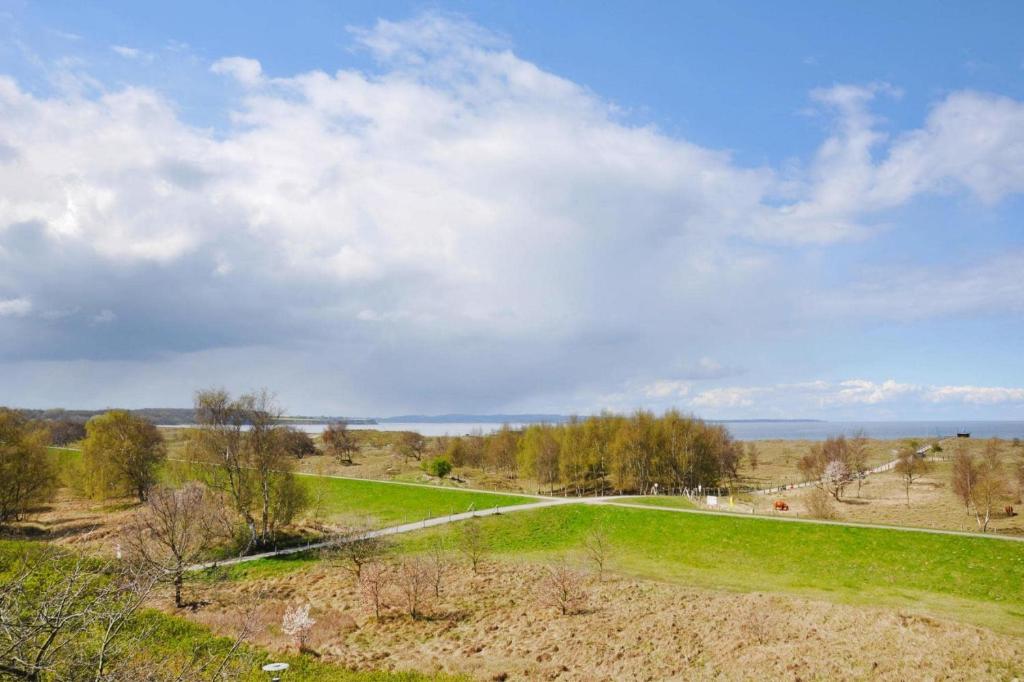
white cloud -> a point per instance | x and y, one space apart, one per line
246 71
15 307
132 53
728 397
979 395
666 388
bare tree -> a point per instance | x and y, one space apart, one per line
965 474
563 587
439 562
67 619
339 442
412 445
598 548
910 467
857 457
473 544
753 456
355 548
175 529
242 444
374 584
27 477
414 584
990 484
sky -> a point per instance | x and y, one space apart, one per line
735 209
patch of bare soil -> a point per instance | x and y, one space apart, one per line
498 625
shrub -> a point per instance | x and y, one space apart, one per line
439 466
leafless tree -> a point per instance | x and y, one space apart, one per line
339 442
857 457
990 484
753 456
910 467
68 618
473 543
175 529
563 587
355 548
375 582
598 548
440 564
242 444
412 445
414 584
965 474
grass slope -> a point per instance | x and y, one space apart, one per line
972 579
391 503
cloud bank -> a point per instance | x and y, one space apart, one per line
456 229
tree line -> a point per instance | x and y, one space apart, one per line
602 454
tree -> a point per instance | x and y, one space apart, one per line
240 442
500 451
598 548
121 454
857 457
819 504
297 443
473 544
563 588
354 549
964 474
175 529
66 431
910 467
27 477
339 442
439 563
412 445
374 583
753 455
298 624
990 484
414 583
835 478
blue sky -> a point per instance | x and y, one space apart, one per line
738 209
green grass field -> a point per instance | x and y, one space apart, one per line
672 501
391 503
972 579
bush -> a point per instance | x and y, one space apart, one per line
439 466
819 504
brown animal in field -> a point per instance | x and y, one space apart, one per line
1009 510
780 505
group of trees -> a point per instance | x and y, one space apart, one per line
982 481
241 450
636 453
835 463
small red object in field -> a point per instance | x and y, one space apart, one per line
780 505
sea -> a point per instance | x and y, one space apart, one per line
752 430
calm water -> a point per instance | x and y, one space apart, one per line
758 430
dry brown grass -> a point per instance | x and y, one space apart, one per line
883 500
497 626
